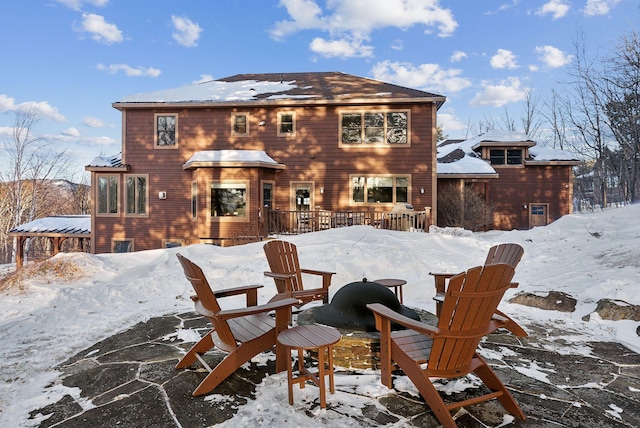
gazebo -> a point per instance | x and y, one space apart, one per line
56 228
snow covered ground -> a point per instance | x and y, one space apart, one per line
588 256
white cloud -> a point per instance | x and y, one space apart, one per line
557 9
93 122
552 56
430 77
450 123
186 32
504 59
6 103
101 30
77 4
129 71
599 7
340 48
203 78
505 92
350 21
397 45
458 56
71 132
40 108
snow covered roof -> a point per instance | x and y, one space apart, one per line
114 161
315 87
547 154
59 225
459 156
232 158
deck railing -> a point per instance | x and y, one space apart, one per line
282 222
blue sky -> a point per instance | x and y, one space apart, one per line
70 59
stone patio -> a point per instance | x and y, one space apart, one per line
129 380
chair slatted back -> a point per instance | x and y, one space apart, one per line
505 253
283 259
207 305
470 302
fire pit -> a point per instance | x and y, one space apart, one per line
359 347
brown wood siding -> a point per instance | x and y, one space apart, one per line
522 186
313 154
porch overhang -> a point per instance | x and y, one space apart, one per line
231 159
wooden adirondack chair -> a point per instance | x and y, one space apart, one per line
287 274
449 349
242 333
510 254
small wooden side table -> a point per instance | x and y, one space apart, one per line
310 337
396 284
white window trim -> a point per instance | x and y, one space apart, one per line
379 204
233 123
342 144
118 191
155 132
126 196
293 118
224 219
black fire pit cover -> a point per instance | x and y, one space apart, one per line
348 308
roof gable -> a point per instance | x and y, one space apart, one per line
315 87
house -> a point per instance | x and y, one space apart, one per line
210 162
527 185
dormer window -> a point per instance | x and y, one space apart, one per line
505 156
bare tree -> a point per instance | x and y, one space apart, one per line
25 177
585 112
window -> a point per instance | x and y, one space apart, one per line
375 128
229 199
505 156
267 195
194 199
240 124
122 245
166 131
286 124
171 243
379 190
107 196
136 195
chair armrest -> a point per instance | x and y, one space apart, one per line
282 276
442 274
379 310
271 306
236 290
316 272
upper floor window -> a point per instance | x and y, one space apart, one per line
286 124
380 189
240 124
229 199
375 127
136 195
505 156
166 135
107 194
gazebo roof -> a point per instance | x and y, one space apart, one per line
64 226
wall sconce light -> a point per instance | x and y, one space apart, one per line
162 195
422 190
262 123
524 206
322 190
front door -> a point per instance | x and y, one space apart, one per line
302 193
538 215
